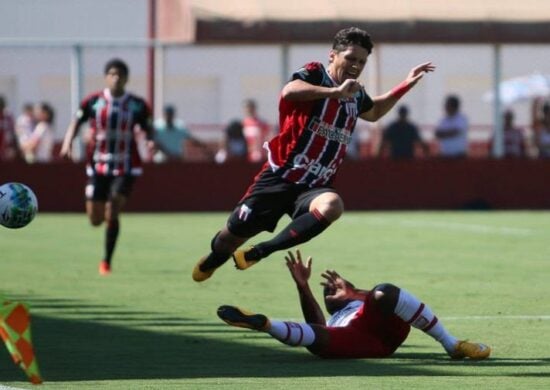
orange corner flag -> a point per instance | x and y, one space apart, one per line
15 330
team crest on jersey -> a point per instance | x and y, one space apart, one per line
351 108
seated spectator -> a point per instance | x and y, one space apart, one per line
233 145
38 147
514 141
170 136
401 137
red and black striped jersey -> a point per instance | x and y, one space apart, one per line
114 123
314 135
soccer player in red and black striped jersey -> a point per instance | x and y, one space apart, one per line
318 111
113 160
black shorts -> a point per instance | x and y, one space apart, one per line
102 188
267 200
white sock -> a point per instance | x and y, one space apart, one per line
420 316
292 333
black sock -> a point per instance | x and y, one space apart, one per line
300 230
214 259
111 235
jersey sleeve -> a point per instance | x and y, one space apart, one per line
311 72
85 109
365 103
145 119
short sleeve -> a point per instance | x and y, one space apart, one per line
366 103
312 73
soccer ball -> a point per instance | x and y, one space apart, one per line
18 205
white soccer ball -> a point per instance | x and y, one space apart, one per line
18 205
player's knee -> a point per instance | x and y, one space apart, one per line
330 205
386 296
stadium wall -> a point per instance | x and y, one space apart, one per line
364 185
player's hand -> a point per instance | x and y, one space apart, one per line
418 72
339 287
300 272
349 88
66 151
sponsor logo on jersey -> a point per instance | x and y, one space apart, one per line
302 161
330 132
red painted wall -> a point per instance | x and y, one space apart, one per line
364 185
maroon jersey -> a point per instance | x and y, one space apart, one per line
114 122
314 135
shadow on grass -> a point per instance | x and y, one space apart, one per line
80 350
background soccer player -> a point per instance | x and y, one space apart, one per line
362 323
113 160
318 110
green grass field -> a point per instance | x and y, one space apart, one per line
148 325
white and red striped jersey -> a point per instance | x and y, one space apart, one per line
314 135
114 122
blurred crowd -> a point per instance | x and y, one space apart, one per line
30 136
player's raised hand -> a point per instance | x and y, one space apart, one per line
300 272
339 287
418 72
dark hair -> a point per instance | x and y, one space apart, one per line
453 101
403 110
49 111
117 64
250 103
352 36
169 109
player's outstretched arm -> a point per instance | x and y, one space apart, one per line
301 272
300 90
67 146
384 103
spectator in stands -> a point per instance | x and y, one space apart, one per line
541 127
9 149
171 135
25 123
514 141
401 138
256 131
38 147
451 132
233 145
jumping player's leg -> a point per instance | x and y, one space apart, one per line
222 245
322 209
393 300
258 211
312 336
